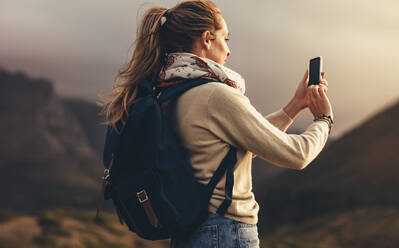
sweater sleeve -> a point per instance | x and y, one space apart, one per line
280 119
232 118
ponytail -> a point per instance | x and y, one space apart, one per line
154 38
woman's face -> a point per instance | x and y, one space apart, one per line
219 50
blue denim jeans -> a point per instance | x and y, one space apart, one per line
220 232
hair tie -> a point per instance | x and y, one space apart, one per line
164 17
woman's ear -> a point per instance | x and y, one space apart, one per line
206 40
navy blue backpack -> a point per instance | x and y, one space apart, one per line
147 173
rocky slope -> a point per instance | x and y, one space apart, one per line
87 113
45 155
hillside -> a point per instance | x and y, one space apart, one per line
87 114
357 228
45 156
358 170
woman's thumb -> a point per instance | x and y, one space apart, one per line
305 77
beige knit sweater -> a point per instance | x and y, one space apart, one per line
210 117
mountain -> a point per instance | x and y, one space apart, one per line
46 158
87 114
358 170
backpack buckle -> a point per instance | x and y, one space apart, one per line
106 175
142 195
159 95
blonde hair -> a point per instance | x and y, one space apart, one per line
184 23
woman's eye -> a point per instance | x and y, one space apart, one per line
227 39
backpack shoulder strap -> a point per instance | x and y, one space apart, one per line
178 89
227 165
112 139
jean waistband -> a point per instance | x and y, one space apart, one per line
217 219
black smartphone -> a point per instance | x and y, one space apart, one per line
315 69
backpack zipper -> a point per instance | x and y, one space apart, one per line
106 182
159 93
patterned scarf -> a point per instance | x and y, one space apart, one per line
180 67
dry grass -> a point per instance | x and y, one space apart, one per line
19 232
70 228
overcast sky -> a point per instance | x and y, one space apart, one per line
80 44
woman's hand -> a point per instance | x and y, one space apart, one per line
300 101
318 101
301 91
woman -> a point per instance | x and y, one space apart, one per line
189 41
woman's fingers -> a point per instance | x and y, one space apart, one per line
316 91
324 84
324 87
321 91
317 99
323 81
